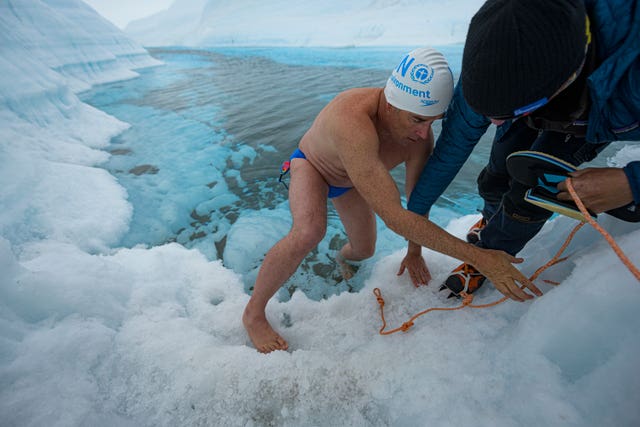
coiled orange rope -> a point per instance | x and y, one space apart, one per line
467 299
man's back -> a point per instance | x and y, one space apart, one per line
354 111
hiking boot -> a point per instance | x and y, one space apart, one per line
473 235
465 278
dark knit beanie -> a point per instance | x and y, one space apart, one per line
519 52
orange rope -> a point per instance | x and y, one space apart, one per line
632 268
467 299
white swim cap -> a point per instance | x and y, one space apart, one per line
422 83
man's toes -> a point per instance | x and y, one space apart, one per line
277 344
267 348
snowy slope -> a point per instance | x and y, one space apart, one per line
69 38
50 50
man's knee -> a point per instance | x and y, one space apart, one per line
516 207
307 238
365 251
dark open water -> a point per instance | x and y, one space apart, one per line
209 130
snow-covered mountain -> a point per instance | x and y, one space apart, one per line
295 23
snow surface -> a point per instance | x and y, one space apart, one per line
296 23
102 336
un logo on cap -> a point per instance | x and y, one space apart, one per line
422 73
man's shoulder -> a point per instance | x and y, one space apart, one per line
353 106
363 96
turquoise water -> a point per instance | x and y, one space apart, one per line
209 130
377 58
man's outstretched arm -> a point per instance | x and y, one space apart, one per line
413 262
370 177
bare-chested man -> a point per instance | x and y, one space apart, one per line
346 156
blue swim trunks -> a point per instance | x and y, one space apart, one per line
333 191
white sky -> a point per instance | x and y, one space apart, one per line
121 12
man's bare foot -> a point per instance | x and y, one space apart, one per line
262 335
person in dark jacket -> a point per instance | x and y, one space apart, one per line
556 76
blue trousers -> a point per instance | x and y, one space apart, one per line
512 221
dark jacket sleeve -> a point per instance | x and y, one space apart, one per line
462 128
632 170
615 84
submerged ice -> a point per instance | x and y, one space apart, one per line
93 332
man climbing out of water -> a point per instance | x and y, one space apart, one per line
558 77
346 155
